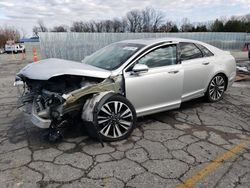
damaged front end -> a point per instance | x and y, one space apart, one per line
54 101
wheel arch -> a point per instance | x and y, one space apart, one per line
91 105
218 73
225 76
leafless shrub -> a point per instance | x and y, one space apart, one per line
8 33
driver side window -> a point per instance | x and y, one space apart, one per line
159 57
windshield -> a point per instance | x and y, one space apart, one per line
112 56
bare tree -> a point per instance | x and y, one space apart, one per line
60 28
186 25
157 18
91 25
134 19
98 26
151 19
107 26
146 20
117 25
79 26
124 26
40 28
167 27
35 31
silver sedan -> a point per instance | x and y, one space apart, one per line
125 80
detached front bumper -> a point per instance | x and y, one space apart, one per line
38 121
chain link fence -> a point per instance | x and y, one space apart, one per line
76 46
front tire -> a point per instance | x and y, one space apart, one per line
115 119
216 88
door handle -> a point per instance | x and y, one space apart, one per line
173 72
205 63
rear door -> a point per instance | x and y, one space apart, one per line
161 87
197 69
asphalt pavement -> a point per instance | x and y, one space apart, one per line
199 145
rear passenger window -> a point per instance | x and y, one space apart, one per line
205 51
189 51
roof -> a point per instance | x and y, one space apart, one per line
151 41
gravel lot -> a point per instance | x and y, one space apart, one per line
201 144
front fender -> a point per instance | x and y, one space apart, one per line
92 105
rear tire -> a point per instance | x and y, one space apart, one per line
114 118
216 88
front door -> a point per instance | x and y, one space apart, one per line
158 89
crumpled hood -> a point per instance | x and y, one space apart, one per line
48 68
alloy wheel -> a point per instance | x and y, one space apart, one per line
115 119
216 88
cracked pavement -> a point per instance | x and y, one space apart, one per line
163 151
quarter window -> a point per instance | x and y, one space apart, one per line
189 51
205 51
160 57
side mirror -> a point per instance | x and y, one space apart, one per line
140 68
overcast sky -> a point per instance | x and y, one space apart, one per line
24 14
